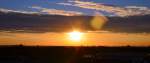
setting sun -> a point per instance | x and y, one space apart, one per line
75 36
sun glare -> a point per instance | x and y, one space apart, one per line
75 36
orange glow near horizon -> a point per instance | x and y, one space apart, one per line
66 39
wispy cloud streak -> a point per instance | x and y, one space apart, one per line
57 12
120 11
17 11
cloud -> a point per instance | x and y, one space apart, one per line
120 11
57 12
137 10
12 22
17 11
64 4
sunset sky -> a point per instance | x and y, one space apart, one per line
78 7
101 22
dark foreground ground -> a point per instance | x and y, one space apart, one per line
45 54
